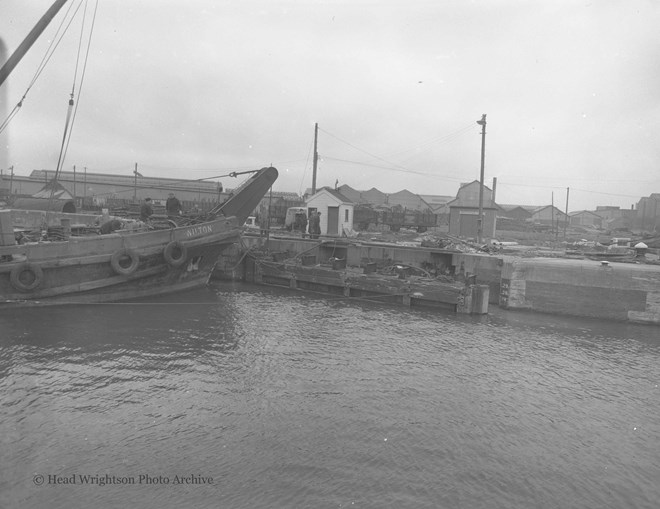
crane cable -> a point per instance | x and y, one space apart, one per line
71 111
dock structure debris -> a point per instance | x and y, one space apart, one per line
377 281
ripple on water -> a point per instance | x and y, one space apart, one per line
290 399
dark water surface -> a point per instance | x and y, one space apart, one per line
291 400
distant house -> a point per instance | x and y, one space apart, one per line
407 200
374 196
273 206
610 212
335 208
519 212
352 194
585 218
648 212
620 223
437 203
549 215
464 211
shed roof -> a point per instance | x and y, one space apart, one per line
332 192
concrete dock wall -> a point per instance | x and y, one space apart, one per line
620 291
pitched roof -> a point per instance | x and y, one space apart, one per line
436 199
579 212
463 184
539 209
407 200
507 207
334 193
352 194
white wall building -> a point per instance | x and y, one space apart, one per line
336 211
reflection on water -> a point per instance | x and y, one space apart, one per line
293 400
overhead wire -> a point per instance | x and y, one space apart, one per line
398 167
302 179
438 139
449 137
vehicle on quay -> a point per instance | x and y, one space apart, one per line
295 218
251 223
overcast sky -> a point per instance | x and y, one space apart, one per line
199 88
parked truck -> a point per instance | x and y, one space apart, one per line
296 219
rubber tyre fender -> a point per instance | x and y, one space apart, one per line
117 257
19 270
171 250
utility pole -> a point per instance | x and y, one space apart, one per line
480 219
11 180
135 176
75 199
316 157
566 218
552 212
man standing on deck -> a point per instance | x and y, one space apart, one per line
314 225
146 211
173 206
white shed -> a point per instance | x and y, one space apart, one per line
336 211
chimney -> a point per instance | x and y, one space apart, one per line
494 187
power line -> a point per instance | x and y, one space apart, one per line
590 191
388 168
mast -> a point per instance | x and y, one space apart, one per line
34 34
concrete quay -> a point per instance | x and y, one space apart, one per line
619 291
587 288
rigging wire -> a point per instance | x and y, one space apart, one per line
84 70
71 111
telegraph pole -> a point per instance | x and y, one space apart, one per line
316 157
480 219
135 176
566 218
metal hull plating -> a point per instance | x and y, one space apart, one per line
113 267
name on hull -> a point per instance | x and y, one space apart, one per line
196 231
